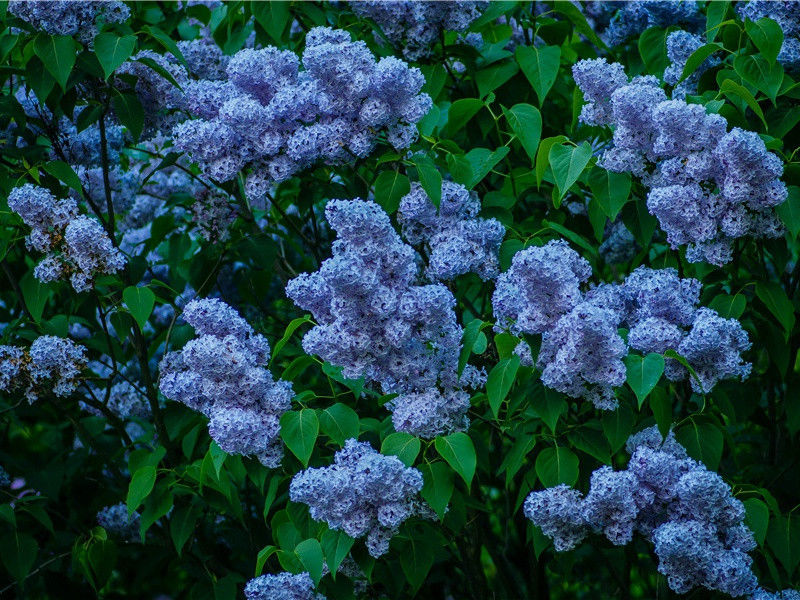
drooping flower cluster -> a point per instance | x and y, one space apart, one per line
51 365
375 321
282 586
276 118
416 27
686 511
680 46
582 352
617 22
223 374
116 521
455 239
77 246
707 187
362 493
786 15
69 18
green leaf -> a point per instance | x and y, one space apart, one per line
644 373
402 445
140 302
438 488
290 329
416 559
617 425
468 338
526 123
339 422
653 50
429 177
730 87
167 42
102 557
728 307
549 405
459 452
460 112
140 487
112 50
757 518
775 299
661 407
767 36
299 432
335 545
568 162
310 554
64 173
181 526
789 211
129 111
543 155
575 14
472 167
493 76
611 190
19 554
500 380
158 504
57 53
766 77
35 293
218 456
540 66
390 187
697 58
593 442
702 440
557 465
524 442
262 556
272 16
783 537
715 15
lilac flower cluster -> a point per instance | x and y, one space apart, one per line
283 586
456 241
375 321
680 46
125 401
617 22
116 521
362 493
69 18
707 187
786 15
762 594
5 479
223 374
77 246
582 352
619 245
686 511
270 115
416 27
51 364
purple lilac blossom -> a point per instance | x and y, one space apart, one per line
455 239
619 245
278 119
416 27
50 365
762 594
362 493
787 16
680 46
707 187
69 18
688 513
5 479
375 321
282 586
124 400
633 17
223 374
116 521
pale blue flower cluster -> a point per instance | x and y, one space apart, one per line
223 374
376 321
115 520
786 14
5 479
77 246
282 586
274 117
416 27
51 365
619 245
708 188
686 511
455 240
762 594
680 46
582 352
362 493
617 22
125 401
69 18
